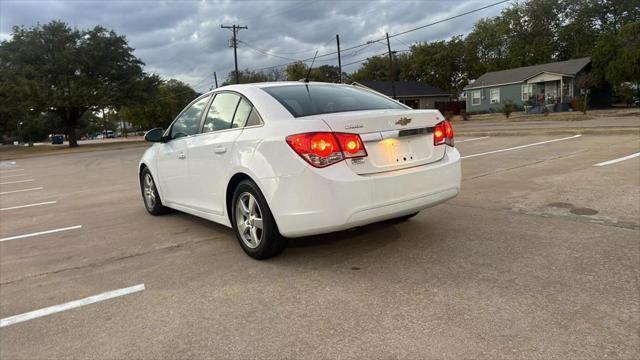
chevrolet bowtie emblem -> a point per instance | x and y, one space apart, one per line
403 121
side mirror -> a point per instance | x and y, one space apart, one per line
154 135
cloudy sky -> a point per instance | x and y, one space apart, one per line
183 39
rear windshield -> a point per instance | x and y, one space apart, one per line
314 99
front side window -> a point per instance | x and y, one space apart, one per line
527 91
475 97
187 123
313 99
495 96
220 115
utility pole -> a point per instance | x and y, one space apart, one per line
215 78
392 73
235 29
339 60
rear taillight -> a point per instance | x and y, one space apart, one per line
322 149
443 133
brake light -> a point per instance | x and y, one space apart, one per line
443 133
351 145
438 134
322 149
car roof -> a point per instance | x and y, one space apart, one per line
269 84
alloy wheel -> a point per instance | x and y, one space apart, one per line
249 220
149 190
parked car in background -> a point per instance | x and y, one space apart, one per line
290 159
57 139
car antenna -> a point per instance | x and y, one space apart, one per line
306 79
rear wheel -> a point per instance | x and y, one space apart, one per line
253 223
150 195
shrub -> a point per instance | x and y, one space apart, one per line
465 115
581 104
507 109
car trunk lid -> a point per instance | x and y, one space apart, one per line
394 139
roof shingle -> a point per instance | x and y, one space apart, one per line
569 67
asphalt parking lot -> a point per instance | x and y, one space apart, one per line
538 257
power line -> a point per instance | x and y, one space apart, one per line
450 18
235 29
289 52
372 56
395 35
266 52
402 42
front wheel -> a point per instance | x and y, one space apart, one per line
253 223
150 195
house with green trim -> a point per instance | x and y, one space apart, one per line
550 85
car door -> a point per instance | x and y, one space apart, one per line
212 151
173 169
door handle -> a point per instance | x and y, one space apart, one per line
220 150
181 156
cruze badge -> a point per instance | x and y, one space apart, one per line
353 126
403 121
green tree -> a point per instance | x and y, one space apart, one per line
486 47
164 102
439 63
623 65
245 77
296 71
54 68
325 73
378 68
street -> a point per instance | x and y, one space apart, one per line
538 257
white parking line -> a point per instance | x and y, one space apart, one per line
28 205
70 305
17 181
21 190
617 160
520 147
40 233
10 176
9 170
473 139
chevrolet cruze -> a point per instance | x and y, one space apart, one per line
288 159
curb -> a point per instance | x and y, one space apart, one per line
570 131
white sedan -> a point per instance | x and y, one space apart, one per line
288 159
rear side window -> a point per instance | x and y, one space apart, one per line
242 113
220 115
313 99
254 118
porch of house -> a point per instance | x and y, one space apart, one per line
553 92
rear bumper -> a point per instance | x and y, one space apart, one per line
335 198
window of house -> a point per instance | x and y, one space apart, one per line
475 97
494 95
527 91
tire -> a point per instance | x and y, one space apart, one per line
405 217
248 207
150 196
